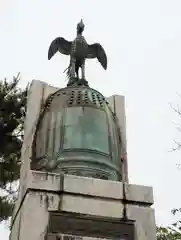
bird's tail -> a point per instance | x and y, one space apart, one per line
68 71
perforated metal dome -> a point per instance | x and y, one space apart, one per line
78 96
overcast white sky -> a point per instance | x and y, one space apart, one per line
142 40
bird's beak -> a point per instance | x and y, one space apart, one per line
81 23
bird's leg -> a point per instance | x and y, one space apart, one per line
77 71
73 67
83 69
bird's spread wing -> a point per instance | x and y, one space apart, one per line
61 45
96 51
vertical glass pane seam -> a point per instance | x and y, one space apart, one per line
58 132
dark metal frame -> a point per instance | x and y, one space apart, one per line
90 226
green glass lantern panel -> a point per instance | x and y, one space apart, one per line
86 128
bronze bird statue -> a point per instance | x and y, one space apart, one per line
78 50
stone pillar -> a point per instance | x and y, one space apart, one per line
117 104
37 95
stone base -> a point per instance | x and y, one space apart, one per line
54 204
77 82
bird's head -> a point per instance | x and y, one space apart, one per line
80 27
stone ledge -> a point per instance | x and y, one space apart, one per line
89 186
87 189
137 193
93 187
91 206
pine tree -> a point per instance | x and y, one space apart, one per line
172 232
12 113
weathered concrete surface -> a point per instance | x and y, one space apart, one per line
37 95
32 219
117 104
53 192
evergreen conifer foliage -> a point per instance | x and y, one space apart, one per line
12 114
